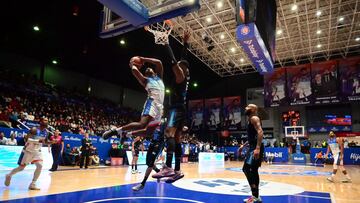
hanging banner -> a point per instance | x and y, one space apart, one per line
275 88
325 82
213 113
349 70
196 110
299 84
232 113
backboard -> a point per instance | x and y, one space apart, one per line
121 16
294 131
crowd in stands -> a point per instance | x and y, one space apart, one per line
27 98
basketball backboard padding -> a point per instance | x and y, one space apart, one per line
158 12
133 11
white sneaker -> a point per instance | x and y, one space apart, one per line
253 199
32 186
331 179
133 171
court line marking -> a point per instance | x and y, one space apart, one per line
131 198
310 196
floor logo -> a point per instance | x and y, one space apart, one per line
230 186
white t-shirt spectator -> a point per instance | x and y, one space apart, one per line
11 142
3 141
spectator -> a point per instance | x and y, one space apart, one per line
3 139
12 141
68 156
94 156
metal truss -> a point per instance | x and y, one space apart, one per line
312 30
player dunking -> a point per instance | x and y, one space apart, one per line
152 81
336 147
177 114
32 153
255 153
137 145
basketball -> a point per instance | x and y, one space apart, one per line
136 61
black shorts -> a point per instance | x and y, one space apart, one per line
177 117
155 148
249 157
136 153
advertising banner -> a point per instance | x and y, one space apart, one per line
349 70
196 110
325 82
213 113
275 88
299 84
232 113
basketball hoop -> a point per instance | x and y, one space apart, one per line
161 31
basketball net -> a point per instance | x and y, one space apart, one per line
161 31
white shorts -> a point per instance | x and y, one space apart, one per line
337 160
30 158
153 109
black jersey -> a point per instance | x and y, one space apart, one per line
252 135
178 97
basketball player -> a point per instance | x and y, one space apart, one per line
177 114
136 145
31 153
153 84
255 153
157 143
336 147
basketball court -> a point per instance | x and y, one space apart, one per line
279 183
230 40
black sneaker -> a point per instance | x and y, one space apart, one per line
109 133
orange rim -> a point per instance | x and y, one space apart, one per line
169 23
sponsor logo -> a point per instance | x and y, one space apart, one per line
72 138
245 30
233 186
299 158
355 156
275 154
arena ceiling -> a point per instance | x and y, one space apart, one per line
307 31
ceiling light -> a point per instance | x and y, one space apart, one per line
318 13
222 36
54 62
294 7
122 42
208 19
36 28
219 4
357 39
232 49
242 60
319 46
318 32
341 19
279 32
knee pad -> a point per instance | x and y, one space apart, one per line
178 150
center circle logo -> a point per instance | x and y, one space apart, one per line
234 186
245 30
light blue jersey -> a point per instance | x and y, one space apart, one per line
156 89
